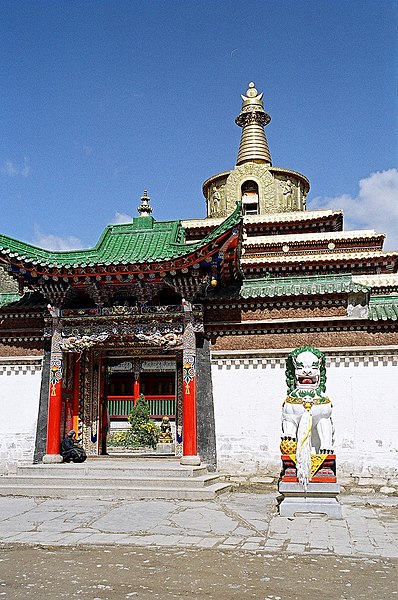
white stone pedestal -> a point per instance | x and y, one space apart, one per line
165 448
190 461
319 498
52 459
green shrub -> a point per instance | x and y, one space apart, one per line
143 429
122 439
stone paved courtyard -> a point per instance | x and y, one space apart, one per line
236 521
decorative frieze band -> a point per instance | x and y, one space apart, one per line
24 315
37 338
332 324
18 366
254 363
245 360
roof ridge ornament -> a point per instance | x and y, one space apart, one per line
145 209
251 94
253 118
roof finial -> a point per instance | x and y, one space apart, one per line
252 93
145 208
253 118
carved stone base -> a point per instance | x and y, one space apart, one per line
190 461
165 448
52 459
319 498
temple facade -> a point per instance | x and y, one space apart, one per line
199 316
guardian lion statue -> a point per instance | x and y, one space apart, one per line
307 412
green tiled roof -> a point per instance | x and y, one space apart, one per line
144 240
383 308
299 286
30 300
8 298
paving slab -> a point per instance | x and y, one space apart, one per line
240 521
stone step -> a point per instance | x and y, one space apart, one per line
114 481
114 469
114 478
105 491
135 455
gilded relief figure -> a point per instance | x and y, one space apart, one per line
287 191
216 202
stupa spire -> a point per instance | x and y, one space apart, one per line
145 209
253 118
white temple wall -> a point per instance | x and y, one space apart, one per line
20 381
248 396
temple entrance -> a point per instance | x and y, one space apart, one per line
128 378
103 359
101 387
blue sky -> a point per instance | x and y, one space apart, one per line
103 99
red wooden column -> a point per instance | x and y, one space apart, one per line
189 428
54 399
76 392
136 388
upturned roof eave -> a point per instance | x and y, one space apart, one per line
23 251
27 254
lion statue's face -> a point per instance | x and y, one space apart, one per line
307 371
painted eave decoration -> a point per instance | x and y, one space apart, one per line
145 245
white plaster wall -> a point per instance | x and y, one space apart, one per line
248 400
365 416
247 405
19 405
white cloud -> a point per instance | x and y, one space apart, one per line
375 206
120 218
55 242
12 168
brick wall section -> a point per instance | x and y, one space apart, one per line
233 315
14 448
295 312
22 349
294 340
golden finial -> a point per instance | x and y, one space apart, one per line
253 118
252 97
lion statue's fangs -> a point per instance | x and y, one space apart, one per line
306 412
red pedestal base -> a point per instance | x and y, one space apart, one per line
326 473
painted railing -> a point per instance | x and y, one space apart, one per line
161 406
119 407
